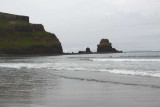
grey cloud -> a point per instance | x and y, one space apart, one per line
129 24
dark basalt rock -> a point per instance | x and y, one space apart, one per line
105 46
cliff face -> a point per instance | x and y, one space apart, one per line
23 28
105 46
14 17
18 36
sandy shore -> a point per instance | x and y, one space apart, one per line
71 89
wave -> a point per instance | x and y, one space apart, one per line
133 72
75 67
125 60
25 65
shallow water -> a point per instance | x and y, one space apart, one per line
112 80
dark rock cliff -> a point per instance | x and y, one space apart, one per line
18 36
105 46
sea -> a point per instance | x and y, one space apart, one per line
84 80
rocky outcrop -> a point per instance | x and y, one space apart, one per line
18 36
105 46
88 50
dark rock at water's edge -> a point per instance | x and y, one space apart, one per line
88 51
105 46
19 37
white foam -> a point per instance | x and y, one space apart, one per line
132 72
25 65
75 67
126 60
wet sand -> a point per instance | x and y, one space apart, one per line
23 88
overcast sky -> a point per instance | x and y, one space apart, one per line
128 24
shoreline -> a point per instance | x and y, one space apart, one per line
92 53
10 55
27 55
77 81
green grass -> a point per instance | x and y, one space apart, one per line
20 40
7 22
23 40
105 42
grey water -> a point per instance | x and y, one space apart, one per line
92 80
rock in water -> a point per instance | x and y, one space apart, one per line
18 36
105 46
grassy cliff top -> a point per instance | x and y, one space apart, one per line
8 14
12 19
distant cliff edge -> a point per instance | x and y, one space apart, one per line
18 36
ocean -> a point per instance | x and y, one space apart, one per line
86 80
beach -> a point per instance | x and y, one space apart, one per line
81 80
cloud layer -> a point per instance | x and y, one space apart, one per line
129 24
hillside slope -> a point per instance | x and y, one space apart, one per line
18 36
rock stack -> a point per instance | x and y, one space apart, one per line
105 46
88 50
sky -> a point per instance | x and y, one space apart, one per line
130 25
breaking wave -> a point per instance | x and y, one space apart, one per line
137 73
72 67
26 65
126 60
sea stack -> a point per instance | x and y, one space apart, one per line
105 46
88 50
19 37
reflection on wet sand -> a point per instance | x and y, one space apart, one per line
24 86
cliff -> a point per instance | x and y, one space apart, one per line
14 17
105 46
18 36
